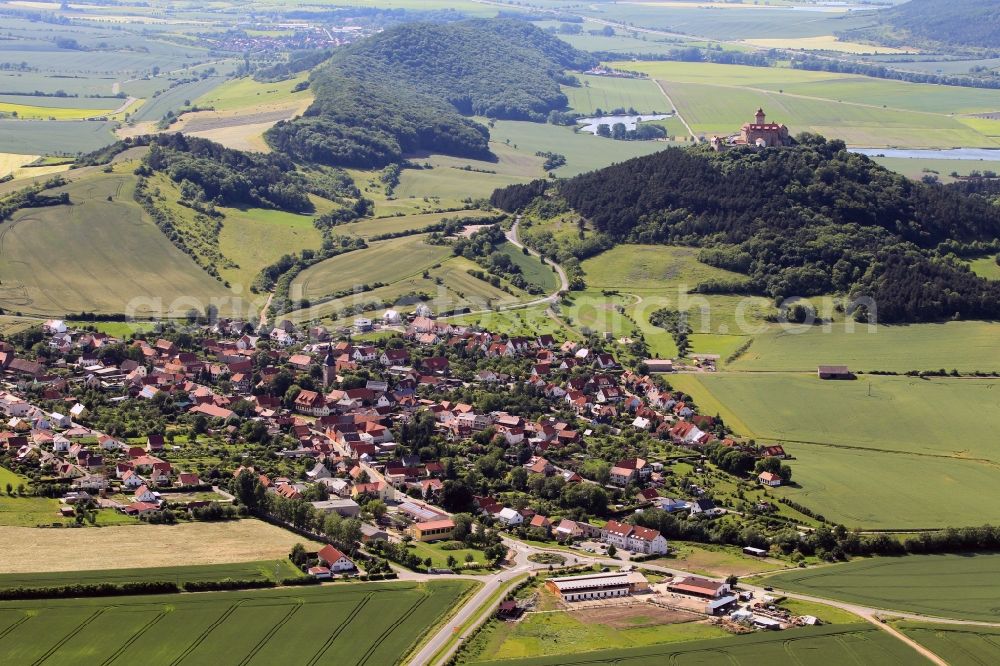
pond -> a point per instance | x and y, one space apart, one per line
986 154
590 124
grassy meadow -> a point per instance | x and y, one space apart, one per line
244 93
384 261
273 232
832 645
365 623
954 586
97 255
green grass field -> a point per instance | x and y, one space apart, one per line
583 151
7 476
917 168
860 110
273 570
650 277
99 256
818 646
606 93
565 633
953 586
246 93
348 624
964 345
389 225
27 511
533 270
986 267
439 555
958 646
385 261
857 456
255 238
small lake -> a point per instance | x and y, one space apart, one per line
986 154
630 122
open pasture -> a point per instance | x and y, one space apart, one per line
257 237
385 261
819 646
343 624
953 586
584 152
607 93
245 93
96 255
957 645
395 224
44 550
534 271
452 181
567 633
967 346
650 277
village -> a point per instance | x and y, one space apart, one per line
387 437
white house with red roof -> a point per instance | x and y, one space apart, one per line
334 560
634 539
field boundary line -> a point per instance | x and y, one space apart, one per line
674 107
381 637
14 626
201 638
133 638
339 630
65 639
270 634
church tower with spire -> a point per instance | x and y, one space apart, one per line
329 367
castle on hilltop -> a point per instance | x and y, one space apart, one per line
759 133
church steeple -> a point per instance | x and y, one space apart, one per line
329 367
760 116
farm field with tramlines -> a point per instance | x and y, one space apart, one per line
333 624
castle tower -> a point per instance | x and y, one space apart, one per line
329 367
759 116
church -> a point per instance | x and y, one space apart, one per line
759 133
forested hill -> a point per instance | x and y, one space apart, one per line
969 23
813 219
406 89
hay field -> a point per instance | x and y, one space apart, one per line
140 546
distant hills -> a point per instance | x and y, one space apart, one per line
967 23
803 221
407 88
